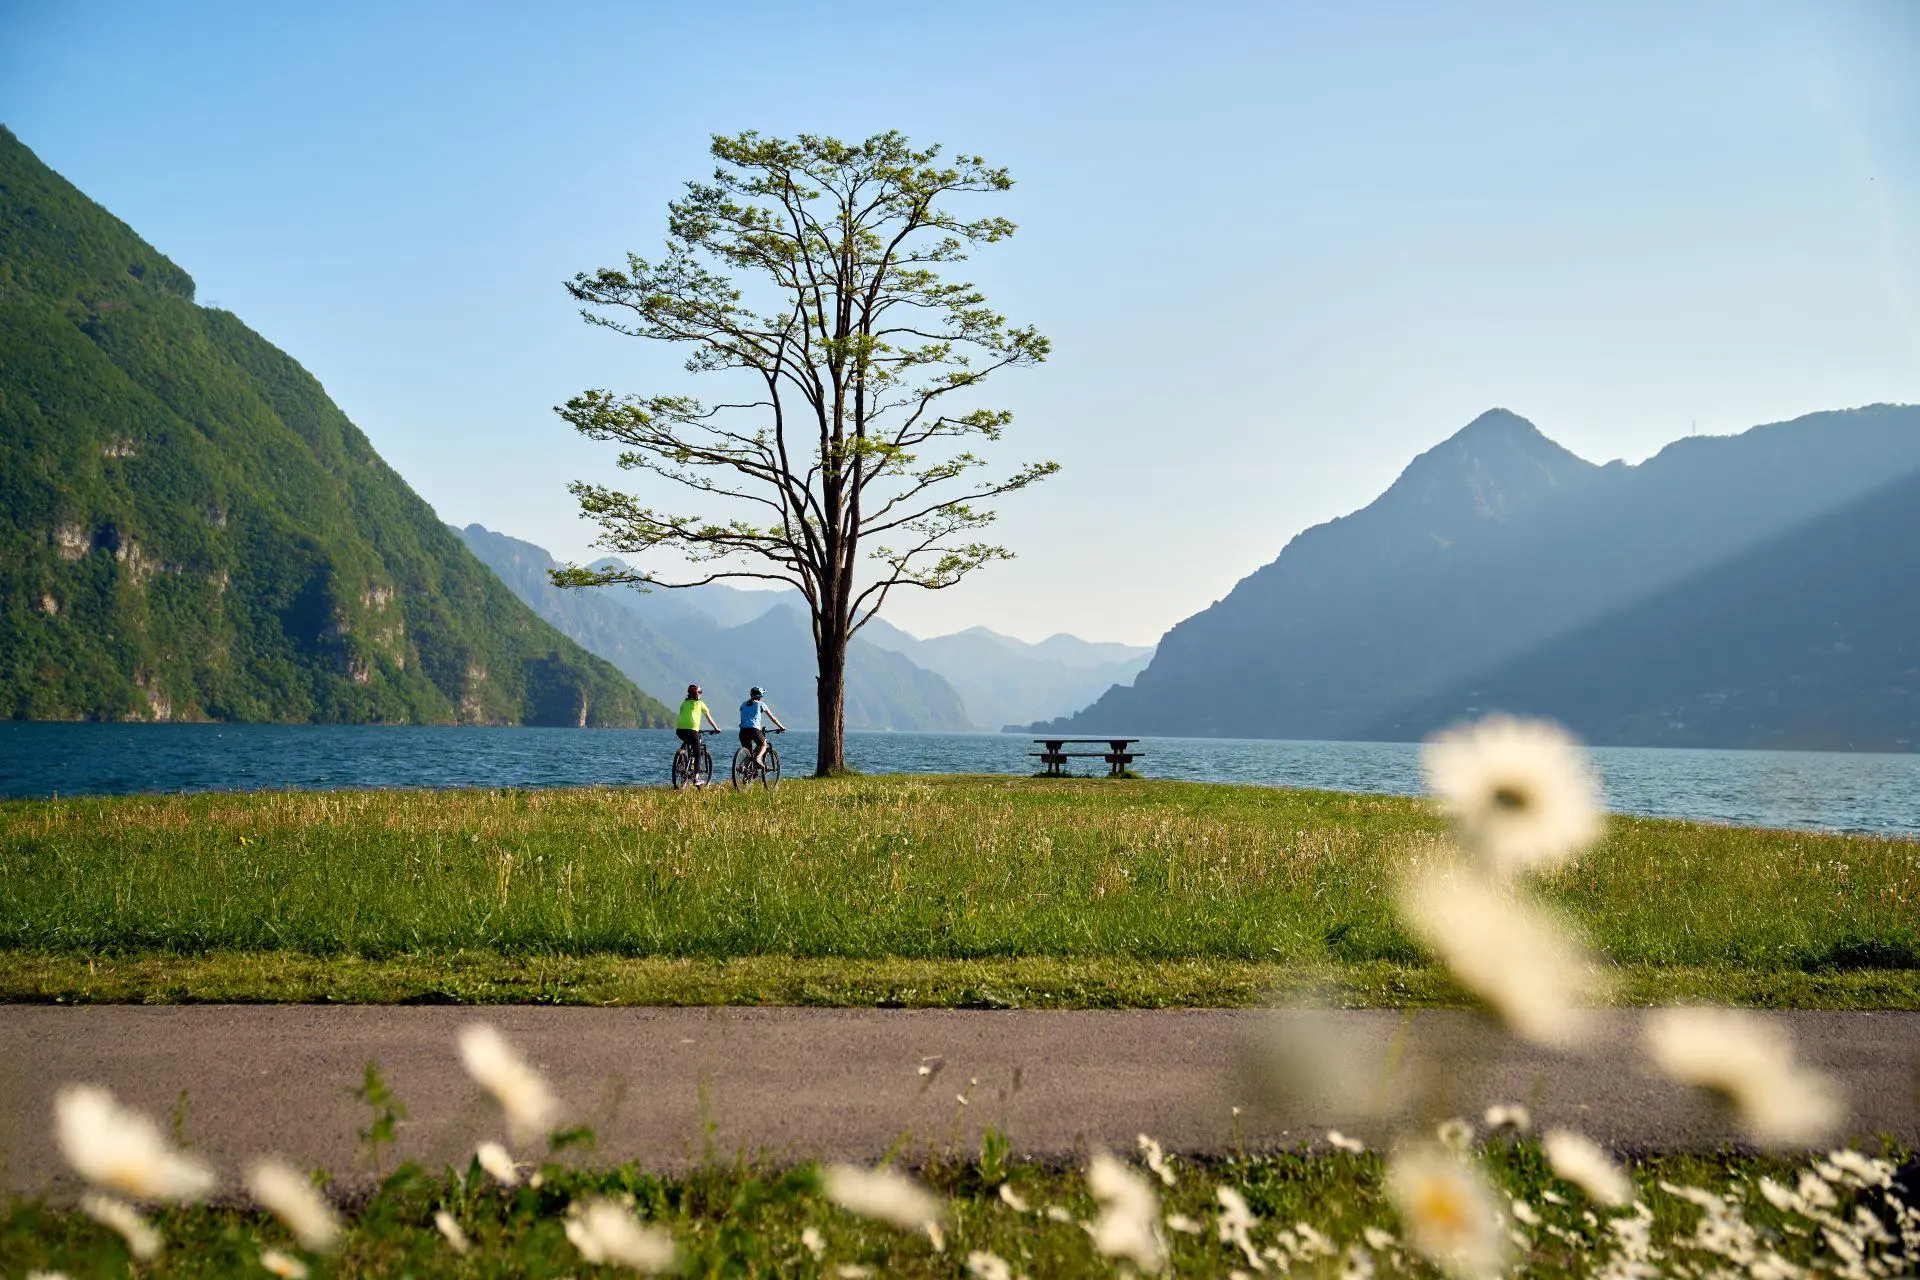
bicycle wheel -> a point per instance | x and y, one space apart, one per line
682 769
742 768
770 771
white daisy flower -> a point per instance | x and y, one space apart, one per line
813 1241
1449 1212
530 1106
143 1242
284 1265
1236 1225
1517 957
1341 1142
1509 1116
120 1149
1011 1198
982 1265
449 1226
1748 1061
606 1231
883 1195
1520 792
1156 1159
499 1165
1583 1162
291 1196
1128 1225
1456 1135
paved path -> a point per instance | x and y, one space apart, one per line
671 1086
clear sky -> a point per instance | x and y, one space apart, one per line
1280 248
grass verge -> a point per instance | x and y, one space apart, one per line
479 978
1315 1215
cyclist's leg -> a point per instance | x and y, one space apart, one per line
755 740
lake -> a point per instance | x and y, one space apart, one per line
1818 790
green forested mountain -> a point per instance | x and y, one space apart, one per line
190 529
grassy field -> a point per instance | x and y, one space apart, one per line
922 890
748 1222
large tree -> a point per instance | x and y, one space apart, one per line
809 273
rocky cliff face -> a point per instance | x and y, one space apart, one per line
1497 545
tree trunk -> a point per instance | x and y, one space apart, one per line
832 689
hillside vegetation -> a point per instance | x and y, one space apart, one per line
190 529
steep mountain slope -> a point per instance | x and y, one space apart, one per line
1496 545
1810 640
664 639
190 529
1003 680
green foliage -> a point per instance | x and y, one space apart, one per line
190 529
386 1111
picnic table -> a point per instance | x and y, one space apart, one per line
1054 754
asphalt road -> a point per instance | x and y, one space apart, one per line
672 1087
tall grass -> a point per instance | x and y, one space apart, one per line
905 867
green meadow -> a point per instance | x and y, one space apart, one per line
885 890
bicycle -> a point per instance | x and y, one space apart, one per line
693 763
746 772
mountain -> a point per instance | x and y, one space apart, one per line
190 529
1749 590
1003 680
726 639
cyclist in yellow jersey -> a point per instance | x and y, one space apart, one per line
688 726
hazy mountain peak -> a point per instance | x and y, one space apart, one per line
1494 467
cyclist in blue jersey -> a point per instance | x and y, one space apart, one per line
753 736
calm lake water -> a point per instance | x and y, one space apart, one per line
1877 793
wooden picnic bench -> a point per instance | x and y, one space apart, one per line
1054 753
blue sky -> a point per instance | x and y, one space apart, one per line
1280 248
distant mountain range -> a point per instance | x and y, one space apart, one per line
1758 590
729 639
191 530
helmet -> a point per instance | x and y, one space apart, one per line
693 691
755 692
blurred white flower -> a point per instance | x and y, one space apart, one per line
813 1241
450 1228
1156 1159
1520 792
1342 1142
1012 1198
1056 1213
1510 1116
881 1194
852 1271
1522 961
284 1265
1236 1225
1377 1240
530 1106
1749 1061
292 1198
1128 1225
937 1237
1448 1211
982 1265
1183 1224
1456 1135
120 1149
499 1165
47 1275
606 1231
143 1242
1584 1163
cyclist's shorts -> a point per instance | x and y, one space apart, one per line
689 736
752 739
